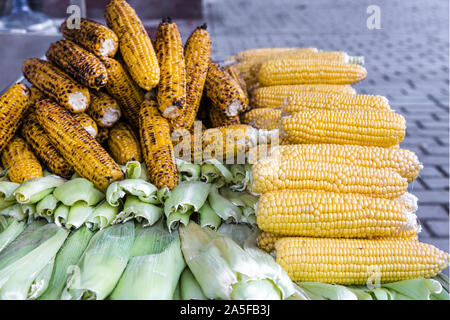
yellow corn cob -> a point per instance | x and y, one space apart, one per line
156 146
35 95
39 142
103 135
87 123
13 105
336 215
123 144
263 118
56 84
264 52
235 74
224 92
364 127
275 96
244 69
103 109
298 71
134 43
196 57
219 119
271 174
266 241
78 63
403 161
357 261
93 36
76 145
122 88
21 161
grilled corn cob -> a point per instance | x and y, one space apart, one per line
78 63
103 135
263 118
277 174
266 241
103 109
236 75
36 137
219 119
122 88
87 123
93 36
35 95
156 146
123 144
196 57
13 105
76 145
21 161
56 84
358 261
298 71
364 127
134 43
336 215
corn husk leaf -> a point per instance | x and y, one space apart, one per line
154 268
132 170
101 265
208 217
61 214
78 190
16 211
414 289
163 194
11 229
142 189
102 216
46 207
189 287
241 176
188 171
174 220
213 171
177 293
223 207
144 212
33 190
325 291
239 233
7 197
78 215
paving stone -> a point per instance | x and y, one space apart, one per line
439 228
432 196
434 183
430 171
433 211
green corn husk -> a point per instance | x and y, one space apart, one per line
69 254
223 207
188 171
208 217
25 265
61 214
213 171
75 176
241 176
163 194
244 201
134 208
15 211
132 170
46 207
102 216
189 287
101 265
239 233
7 197
324 291
177 293
78 215
174 220
154 268
187 197
33 190
78 190
225 270
11 229
3 174
142 189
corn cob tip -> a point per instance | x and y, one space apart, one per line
166 20
204 26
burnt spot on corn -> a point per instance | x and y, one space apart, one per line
123 144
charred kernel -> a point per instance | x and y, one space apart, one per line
104 109
87 123
218 118
123 144
103 135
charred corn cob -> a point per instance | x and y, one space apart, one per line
93 36
277 174
123 144
76 145
39 142
103 109
357 261
263 118
298 71
156 146
35 95
122 88
224 92
364 127
266 241
56 84
13 105
103 135
336 215
134 43
196 57
21 161
87 123
236 75
275 96
219 119
78 63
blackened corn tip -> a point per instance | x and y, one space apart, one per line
203 26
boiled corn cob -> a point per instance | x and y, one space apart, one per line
266 241
362 127
171 94
275 96
87 123
274 174
122 88
358 261
219 119
13 105
103 109
134 43
21 161
103 135
78 63
39 142
336 215
196 58
298 71
263 118
35 95
157 147
56 84
93 36
123 144
76 145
